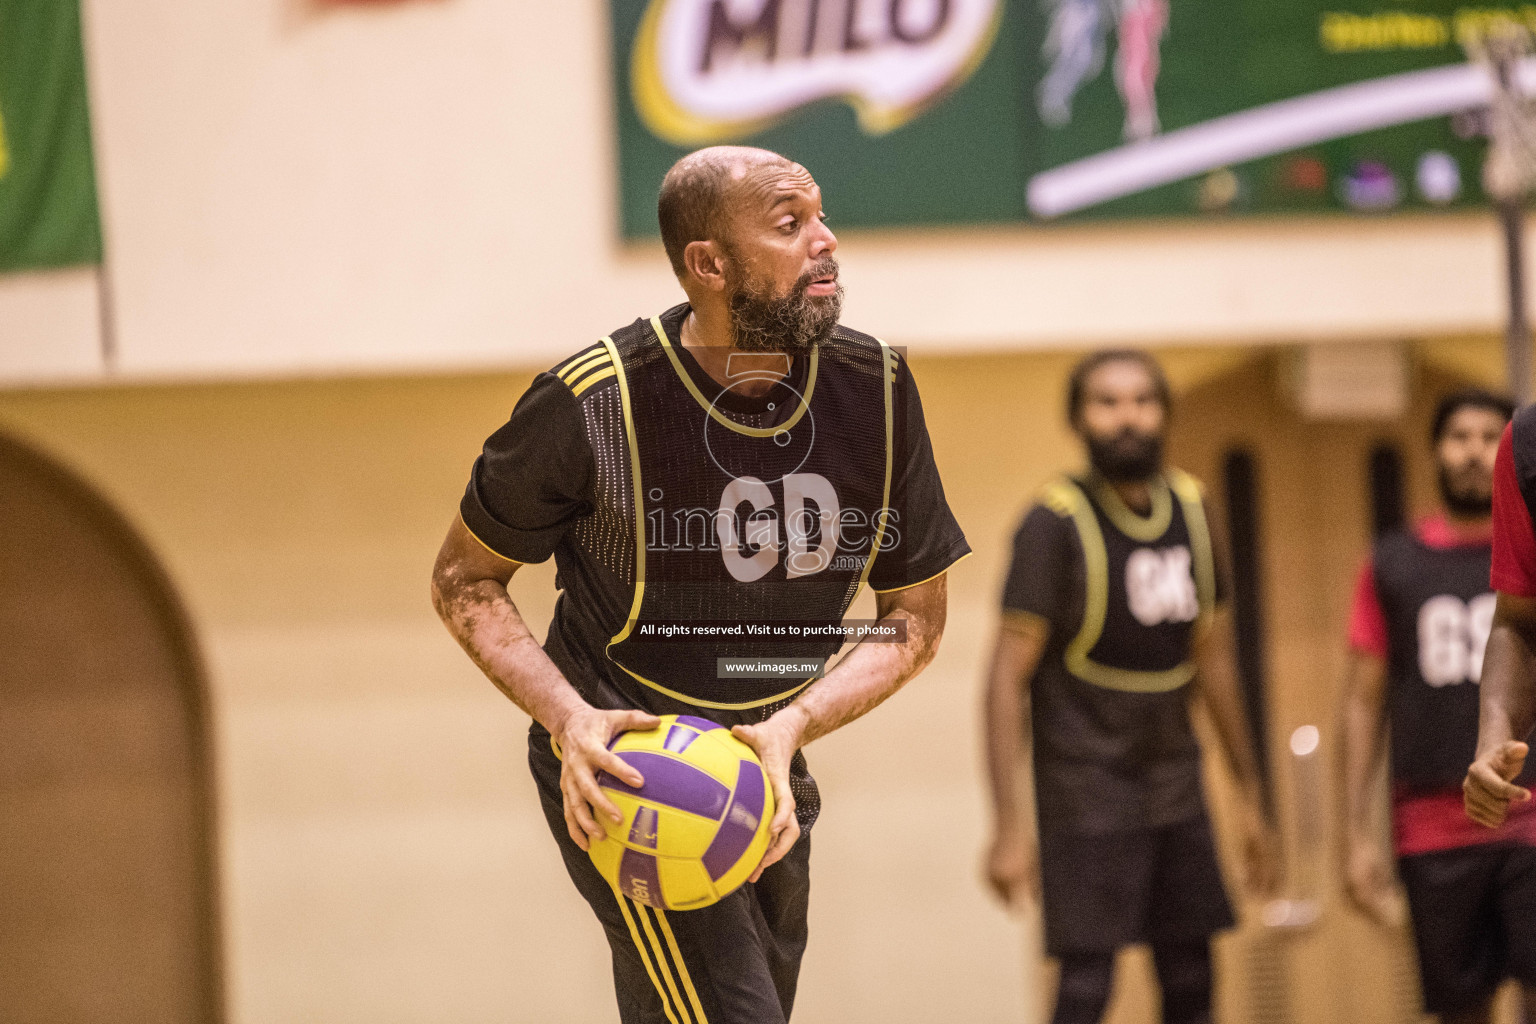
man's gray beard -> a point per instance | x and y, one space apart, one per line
794 324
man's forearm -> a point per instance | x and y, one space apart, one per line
1008 746
1217 680
869 674
1217 683
1016 654
1362 734
1236 741
1508 688
482 617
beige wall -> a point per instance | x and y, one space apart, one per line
291 187
383 856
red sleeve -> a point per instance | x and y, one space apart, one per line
1367 622
1514 542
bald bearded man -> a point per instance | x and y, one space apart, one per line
741 457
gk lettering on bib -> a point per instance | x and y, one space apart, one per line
1160 586
1148 579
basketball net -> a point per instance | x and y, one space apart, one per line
1509 172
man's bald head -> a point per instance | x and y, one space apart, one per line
697 193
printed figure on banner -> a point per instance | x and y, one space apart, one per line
1074 50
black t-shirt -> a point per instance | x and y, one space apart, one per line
1106 759
533 493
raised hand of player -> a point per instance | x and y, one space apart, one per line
1488 788
1368 882
775 739
1013 867
583 740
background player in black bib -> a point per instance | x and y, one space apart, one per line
1112 620
1418 629
741 457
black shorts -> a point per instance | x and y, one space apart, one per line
1474 921
1101 892
736 962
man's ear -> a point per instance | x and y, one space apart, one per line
705 264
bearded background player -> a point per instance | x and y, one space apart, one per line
1113 619
1418 629
740 457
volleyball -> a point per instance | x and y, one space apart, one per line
698 826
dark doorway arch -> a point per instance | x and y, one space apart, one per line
108 909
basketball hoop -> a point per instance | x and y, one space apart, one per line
1509 171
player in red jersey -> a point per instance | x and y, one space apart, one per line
1420 622
1509 667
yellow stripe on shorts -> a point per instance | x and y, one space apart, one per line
682 968
645 958
661 962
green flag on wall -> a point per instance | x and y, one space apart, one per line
48 212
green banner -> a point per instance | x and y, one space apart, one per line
48 212
969 111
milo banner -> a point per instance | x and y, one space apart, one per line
48 215
966 111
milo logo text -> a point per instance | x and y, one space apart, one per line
716 70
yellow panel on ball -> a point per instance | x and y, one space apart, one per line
628 805
641 739
720 754
684 835
685 885
606 855
737 749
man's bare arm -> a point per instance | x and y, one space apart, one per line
1012 865
864 678
873 671
1216 683
1508 711
1363 728
469 591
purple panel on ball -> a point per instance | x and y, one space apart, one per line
644 830
701 724
678 738
671 782
740 824
639 880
